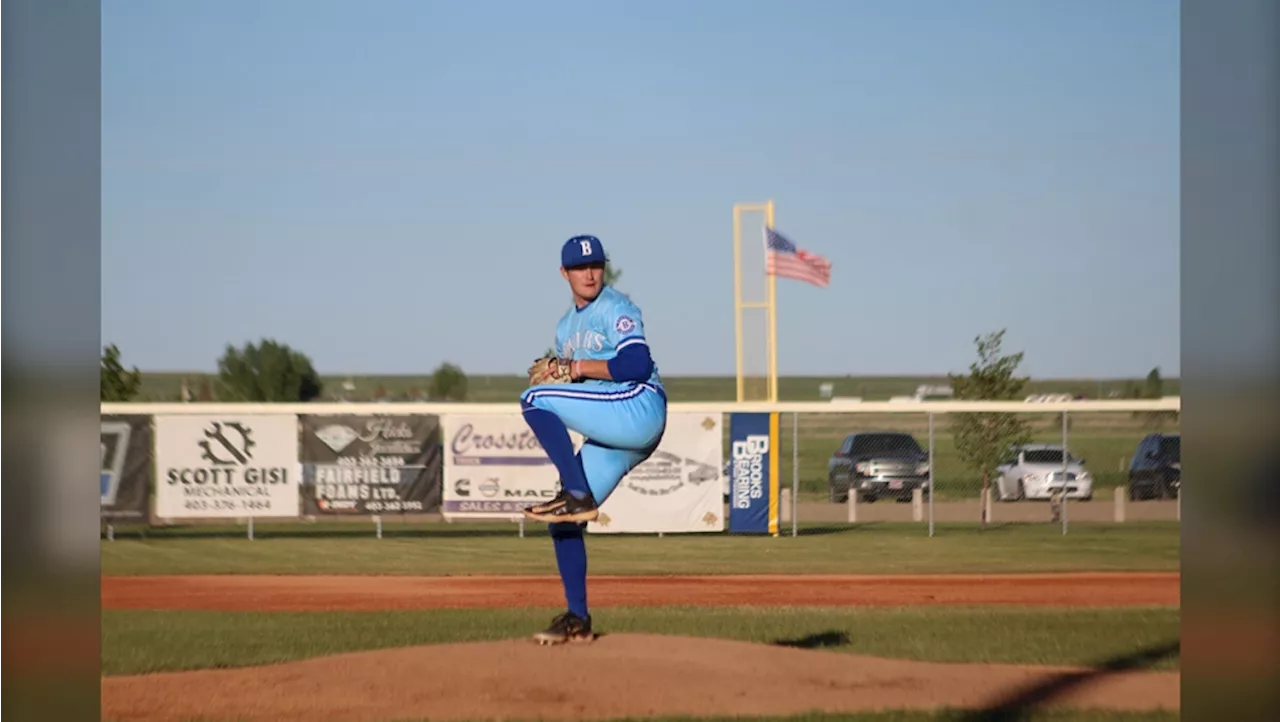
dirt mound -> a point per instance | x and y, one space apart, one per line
618 675
330 593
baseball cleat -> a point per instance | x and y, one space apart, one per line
565 507
567 627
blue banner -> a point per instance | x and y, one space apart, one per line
753 474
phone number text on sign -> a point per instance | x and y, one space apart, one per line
206 505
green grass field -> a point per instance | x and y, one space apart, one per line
454 549
135 642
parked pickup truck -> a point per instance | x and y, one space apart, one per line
877 464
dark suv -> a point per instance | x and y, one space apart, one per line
1156 468
876 464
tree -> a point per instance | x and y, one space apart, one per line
983 439
448 383
1154 389
267 371
611 275
116 383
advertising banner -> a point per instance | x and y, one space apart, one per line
494 466
753 473
125 477
678 489
381 464
227 465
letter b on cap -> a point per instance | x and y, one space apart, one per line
585 244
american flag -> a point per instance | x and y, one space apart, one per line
784 259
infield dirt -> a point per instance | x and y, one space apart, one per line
375 593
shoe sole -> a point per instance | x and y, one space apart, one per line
552 517
550 641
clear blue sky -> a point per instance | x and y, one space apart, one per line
386 185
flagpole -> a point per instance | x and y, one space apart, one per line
773 315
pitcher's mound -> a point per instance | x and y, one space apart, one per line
618 675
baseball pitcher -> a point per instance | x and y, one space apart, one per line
602 383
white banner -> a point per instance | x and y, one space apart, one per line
227 465
678 489
494 466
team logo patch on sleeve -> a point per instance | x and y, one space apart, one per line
624 324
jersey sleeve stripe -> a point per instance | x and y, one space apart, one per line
631 341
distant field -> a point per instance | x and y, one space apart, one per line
166 386
463 549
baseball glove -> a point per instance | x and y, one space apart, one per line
550 370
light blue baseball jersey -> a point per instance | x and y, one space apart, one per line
602 328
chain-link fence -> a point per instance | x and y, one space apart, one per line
838 465
1008 467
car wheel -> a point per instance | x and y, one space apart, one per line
837 497
865 497
1022 491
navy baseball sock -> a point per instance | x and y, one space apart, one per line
554 437
571 558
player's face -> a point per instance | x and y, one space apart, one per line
585 281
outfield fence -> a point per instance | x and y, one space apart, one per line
766 468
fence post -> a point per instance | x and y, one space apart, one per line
1065 494
784 504
917 504
377 519
931 465
795 473
852 504
250 528
1119 499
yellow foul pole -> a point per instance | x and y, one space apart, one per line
739 304
773 316
737 295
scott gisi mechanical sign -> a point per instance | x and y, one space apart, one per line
227 465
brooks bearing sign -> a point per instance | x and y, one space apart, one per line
226 466
753 474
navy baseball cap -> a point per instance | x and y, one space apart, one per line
581 250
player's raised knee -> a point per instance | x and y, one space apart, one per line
531 399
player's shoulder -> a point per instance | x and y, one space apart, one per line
621 314
619 302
